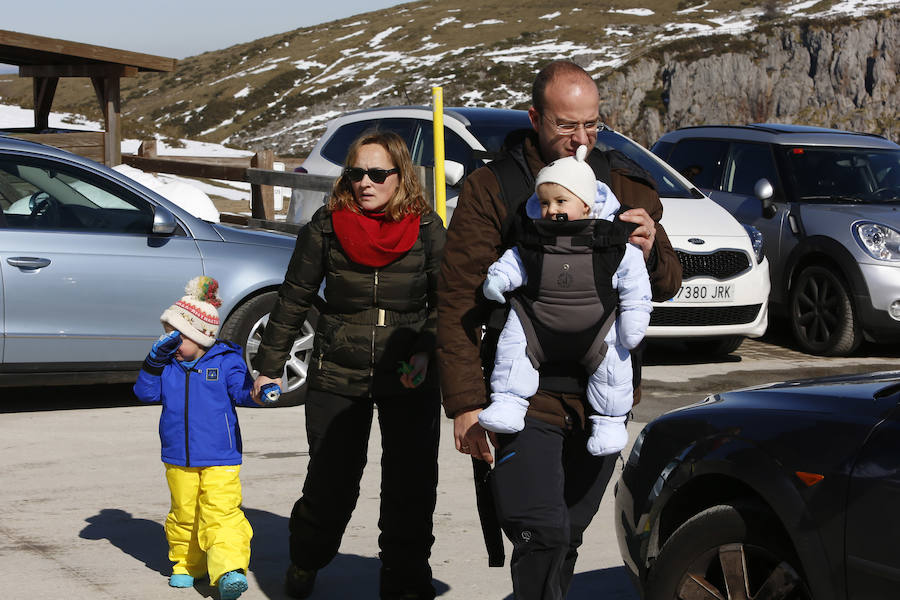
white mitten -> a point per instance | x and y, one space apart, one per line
493 288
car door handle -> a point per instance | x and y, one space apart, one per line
28 262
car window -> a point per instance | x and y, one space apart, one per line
748 163
700 161
336 148
37 194
455 148
667 184
818 172
492 134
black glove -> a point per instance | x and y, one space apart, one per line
163 350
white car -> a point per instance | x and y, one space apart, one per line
725 283
724 295
471 137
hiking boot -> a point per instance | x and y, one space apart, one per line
231 585
298 583
181 580
406 583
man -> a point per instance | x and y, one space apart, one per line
547 487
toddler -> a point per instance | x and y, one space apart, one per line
199 380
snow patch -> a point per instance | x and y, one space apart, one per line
184 195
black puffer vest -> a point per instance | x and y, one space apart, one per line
376 317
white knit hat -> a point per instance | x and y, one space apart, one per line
574 174
195 315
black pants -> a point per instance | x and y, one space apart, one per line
547 488
338 431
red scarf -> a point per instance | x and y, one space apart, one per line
372 239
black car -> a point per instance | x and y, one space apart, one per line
786 491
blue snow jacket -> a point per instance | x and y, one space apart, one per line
199 426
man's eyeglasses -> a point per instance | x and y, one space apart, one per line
355 174
569 127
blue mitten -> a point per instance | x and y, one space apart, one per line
269 393
493 288
164 349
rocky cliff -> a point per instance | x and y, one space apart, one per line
839 74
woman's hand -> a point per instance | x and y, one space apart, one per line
416 375
257 385
645 233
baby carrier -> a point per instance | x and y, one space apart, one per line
568 304
562 373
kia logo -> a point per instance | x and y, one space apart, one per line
696 241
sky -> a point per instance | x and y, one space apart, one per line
174 28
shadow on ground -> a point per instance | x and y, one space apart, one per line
610 584
69 397
348 575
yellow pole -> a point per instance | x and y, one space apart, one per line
440 188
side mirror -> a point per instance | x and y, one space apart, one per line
453 172
163 221
764 191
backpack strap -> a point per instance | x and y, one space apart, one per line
516 186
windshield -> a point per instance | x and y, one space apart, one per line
843 174
668 185
491 133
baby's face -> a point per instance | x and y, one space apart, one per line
555 200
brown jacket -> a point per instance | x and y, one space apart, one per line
473 243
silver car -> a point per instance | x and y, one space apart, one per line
828 205
89 259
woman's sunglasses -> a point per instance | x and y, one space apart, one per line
355 174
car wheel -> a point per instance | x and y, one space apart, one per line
722 553
715 346
246 327
822 318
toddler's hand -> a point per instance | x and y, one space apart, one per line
493 289
269 393
164 349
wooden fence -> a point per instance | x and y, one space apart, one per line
258 171
260 174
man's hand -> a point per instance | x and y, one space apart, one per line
257 387
470 436
645 234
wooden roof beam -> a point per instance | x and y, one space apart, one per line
105 71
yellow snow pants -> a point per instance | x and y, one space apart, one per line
206 528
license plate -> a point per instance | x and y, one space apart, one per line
710 292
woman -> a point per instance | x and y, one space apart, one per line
378 247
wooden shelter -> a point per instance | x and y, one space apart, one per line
47 59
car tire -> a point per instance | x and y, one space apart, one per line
725 552
821 313
245 327
720 346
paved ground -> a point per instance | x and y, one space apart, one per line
86 498
85 495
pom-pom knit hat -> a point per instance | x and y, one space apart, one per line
195 315
574 174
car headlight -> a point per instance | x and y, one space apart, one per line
879 241
756 240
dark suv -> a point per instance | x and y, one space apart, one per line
826 202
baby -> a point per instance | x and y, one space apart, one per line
570 304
